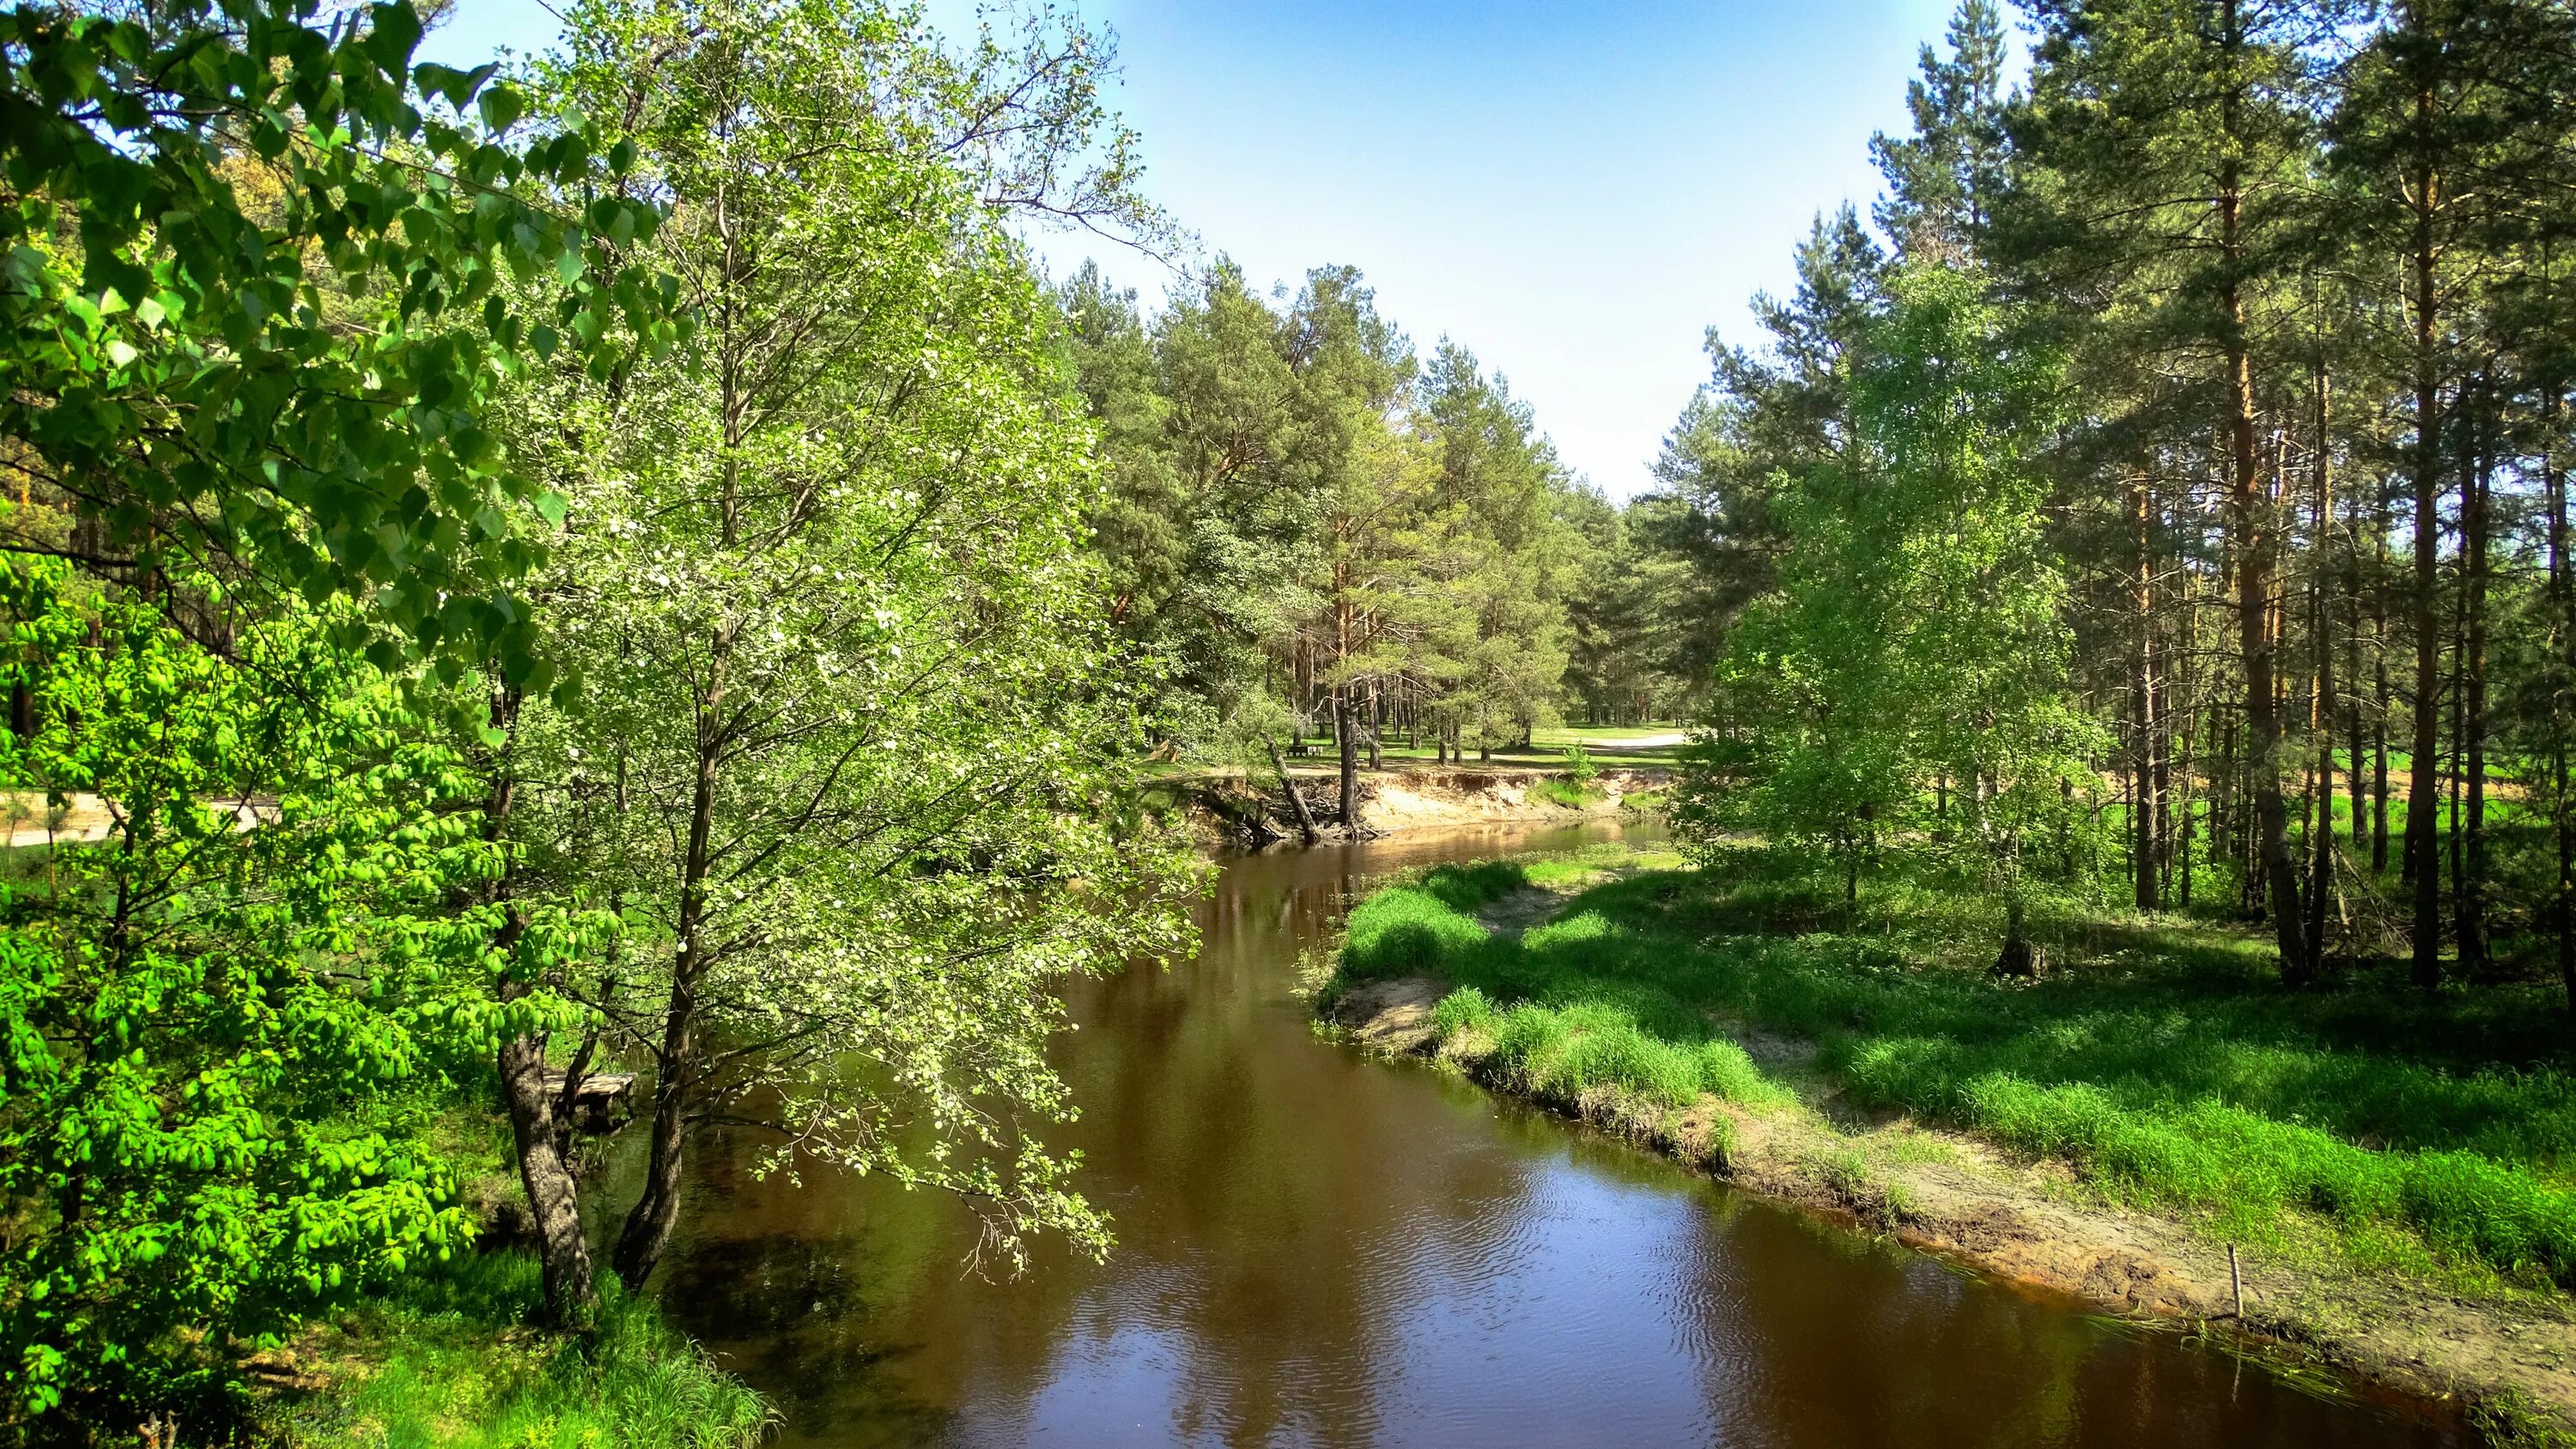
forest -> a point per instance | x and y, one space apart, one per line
2244 535
623 573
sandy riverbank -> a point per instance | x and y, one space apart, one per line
2510 1355
1233 809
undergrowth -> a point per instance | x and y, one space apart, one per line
447 1365
2163 1061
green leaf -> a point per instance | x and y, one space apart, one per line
393 30
502 105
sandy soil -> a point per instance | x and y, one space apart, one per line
1417 798
86 818
2030 1224
1639 742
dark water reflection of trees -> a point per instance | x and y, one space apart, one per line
1319 1248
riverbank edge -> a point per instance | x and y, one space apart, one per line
463 1352
2508 1363
1230 810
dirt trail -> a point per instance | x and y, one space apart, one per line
2032 1224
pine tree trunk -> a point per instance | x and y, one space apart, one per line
2562 622
2321 833
2472 905
2195 753
2222 785
2163 824
2459 698
2251 525
2424 789
1347 715
2380 698
2142 708
2352 734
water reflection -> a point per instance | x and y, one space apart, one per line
1318 1248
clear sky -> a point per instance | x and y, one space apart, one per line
1574 191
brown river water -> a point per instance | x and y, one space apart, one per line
1318 1247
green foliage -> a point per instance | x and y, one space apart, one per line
1406 929
870 730
319 363
1763 419
1941 178
442 1364
1473 887
255 300
1916 634
226 1020
1580 767
1555 1047
263 277
1299 514
1562 792
2207 1155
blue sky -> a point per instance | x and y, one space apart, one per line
1573 191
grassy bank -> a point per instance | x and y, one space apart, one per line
450 1363
2160 1062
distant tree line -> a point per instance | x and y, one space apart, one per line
1315 532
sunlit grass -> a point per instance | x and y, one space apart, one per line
448 1366
2163 1060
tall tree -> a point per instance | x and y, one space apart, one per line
1942 179
259 300
2166 146
850 795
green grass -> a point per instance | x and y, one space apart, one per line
1554 1052
1568 793
1417 927
2162 1060
447 1366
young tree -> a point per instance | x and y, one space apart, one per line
1915 634
1760 417
227 1022
853 791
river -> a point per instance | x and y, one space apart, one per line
1317 1247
